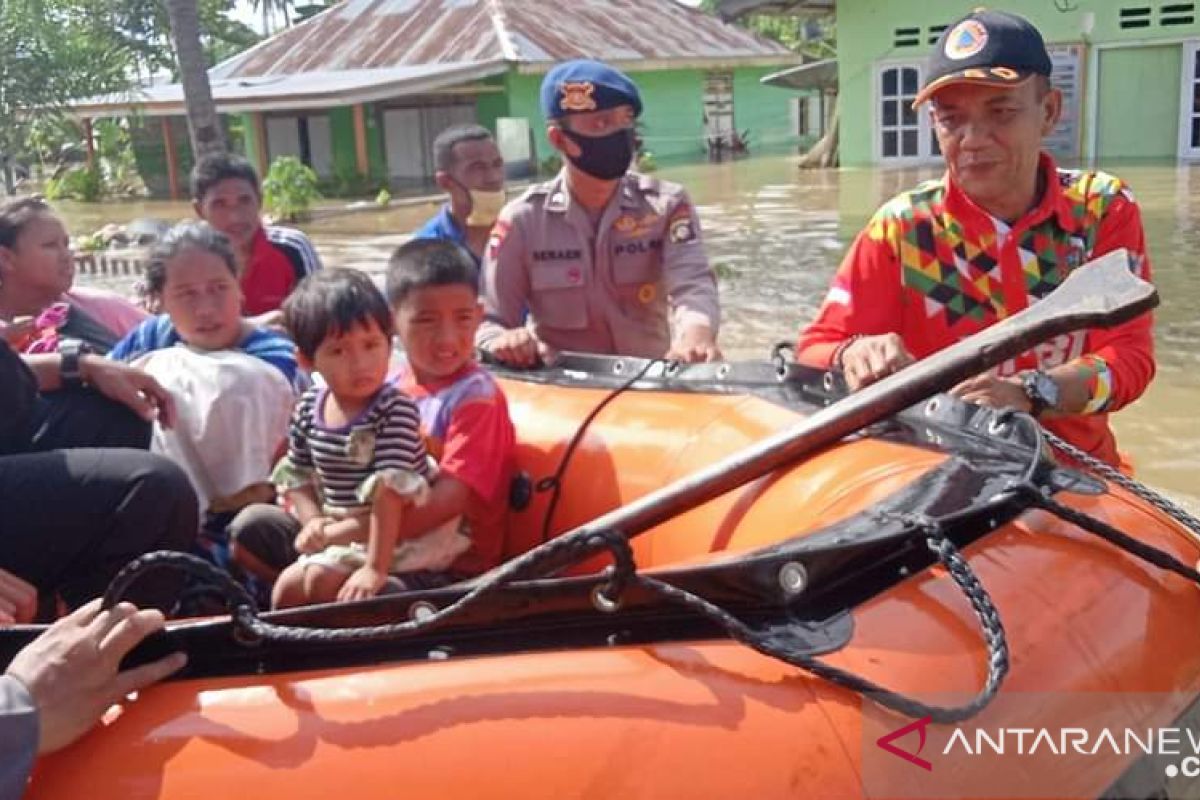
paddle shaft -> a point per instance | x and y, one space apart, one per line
1101 293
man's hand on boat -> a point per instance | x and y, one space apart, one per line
867 359
694 344
18 600
71 670
518 347
130 386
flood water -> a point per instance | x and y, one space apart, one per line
778 233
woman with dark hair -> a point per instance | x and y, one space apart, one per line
39 309
233 382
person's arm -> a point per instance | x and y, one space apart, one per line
117 381
857 328
18 736
56 688
691 287
505 295
1117 363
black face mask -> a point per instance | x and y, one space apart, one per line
603 157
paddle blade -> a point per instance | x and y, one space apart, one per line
1102 293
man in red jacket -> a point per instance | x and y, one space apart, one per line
999 231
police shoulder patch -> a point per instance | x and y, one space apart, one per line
681 230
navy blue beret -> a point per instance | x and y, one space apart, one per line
584 85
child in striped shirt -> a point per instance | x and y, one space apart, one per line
351 441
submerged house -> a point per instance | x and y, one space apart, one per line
359 91
1129 71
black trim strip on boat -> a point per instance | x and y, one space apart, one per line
844 565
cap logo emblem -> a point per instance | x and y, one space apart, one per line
1006 74
577 96
967 39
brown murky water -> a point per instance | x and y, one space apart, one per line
778 233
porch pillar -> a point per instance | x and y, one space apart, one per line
260 143
89 142
360 140
172 158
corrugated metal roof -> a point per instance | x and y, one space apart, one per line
732 9
373 34
307 90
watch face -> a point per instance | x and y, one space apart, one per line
1046 388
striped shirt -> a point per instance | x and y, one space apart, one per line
385 435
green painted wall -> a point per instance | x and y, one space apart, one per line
249 138
673 113
341 131
490 106
522 95
764 110
867 35
1124 75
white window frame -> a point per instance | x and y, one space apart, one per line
1187 82
925 136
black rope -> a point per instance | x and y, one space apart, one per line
554 483
248 628
960 571
1027 487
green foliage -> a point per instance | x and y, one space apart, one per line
290 189
55 51
725 272
346 182
811 35
646 162
550 165
78 183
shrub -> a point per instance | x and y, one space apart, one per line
77 183
290 189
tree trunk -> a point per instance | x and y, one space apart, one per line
825 152
204 125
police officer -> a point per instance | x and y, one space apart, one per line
604 260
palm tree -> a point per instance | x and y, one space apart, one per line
268 9
203 123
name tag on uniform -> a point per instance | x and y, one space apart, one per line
557 255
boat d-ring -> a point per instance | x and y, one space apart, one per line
421 611
618 367
997 426
603 602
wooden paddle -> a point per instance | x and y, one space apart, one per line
1099 294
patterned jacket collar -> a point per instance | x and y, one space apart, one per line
1053 202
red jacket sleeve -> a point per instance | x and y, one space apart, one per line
1128 349
864 298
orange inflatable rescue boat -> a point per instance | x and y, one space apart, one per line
728 580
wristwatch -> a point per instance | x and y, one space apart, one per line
1041 390
68 369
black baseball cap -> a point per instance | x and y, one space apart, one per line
987 47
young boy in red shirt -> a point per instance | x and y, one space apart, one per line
432 287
